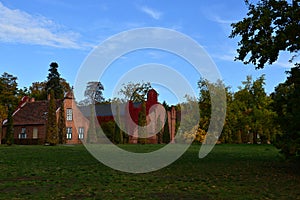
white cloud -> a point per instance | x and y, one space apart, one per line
284 64
219 20
151 12
17 26
226 54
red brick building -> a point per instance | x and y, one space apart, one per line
30 120
131 110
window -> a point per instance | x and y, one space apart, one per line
35 133
69 133
23 135
69 114
81 133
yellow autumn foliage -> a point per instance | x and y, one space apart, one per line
196 134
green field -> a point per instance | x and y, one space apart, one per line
70 172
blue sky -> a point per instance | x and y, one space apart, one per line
34 33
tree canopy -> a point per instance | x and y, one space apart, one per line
135 92
51 126
94 92
271 26
9 94
286 104
53 82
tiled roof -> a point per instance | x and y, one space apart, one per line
33 113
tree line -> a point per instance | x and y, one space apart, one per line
271 27
252 115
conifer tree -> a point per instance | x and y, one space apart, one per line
62 125
166 133
142 121
10 129
159 131
118 132
92 134
53 82
51 128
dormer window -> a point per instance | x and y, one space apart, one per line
69 114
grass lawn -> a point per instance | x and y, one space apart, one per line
70 172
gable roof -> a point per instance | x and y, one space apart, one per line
33 113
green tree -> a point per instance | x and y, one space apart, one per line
286 103
135 92
92 133
9 139
8 90
93 93
204 104
271 26
38 91
253 117
53 82
118 132
218 91
159 130
166 132
108 129
62 130
51 126
263 115
142 121
228 133
9 95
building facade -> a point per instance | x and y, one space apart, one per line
30 119
129 117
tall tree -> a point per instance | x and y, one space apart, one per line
142 121
135 92
204 104
228 134
9 129
38 90
9 96
166 138
208 89
8 90
93 93
51 126
286 103
271 26
253 119
62 130
118 132
92 133
53 81
159 130
166 131
263 116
